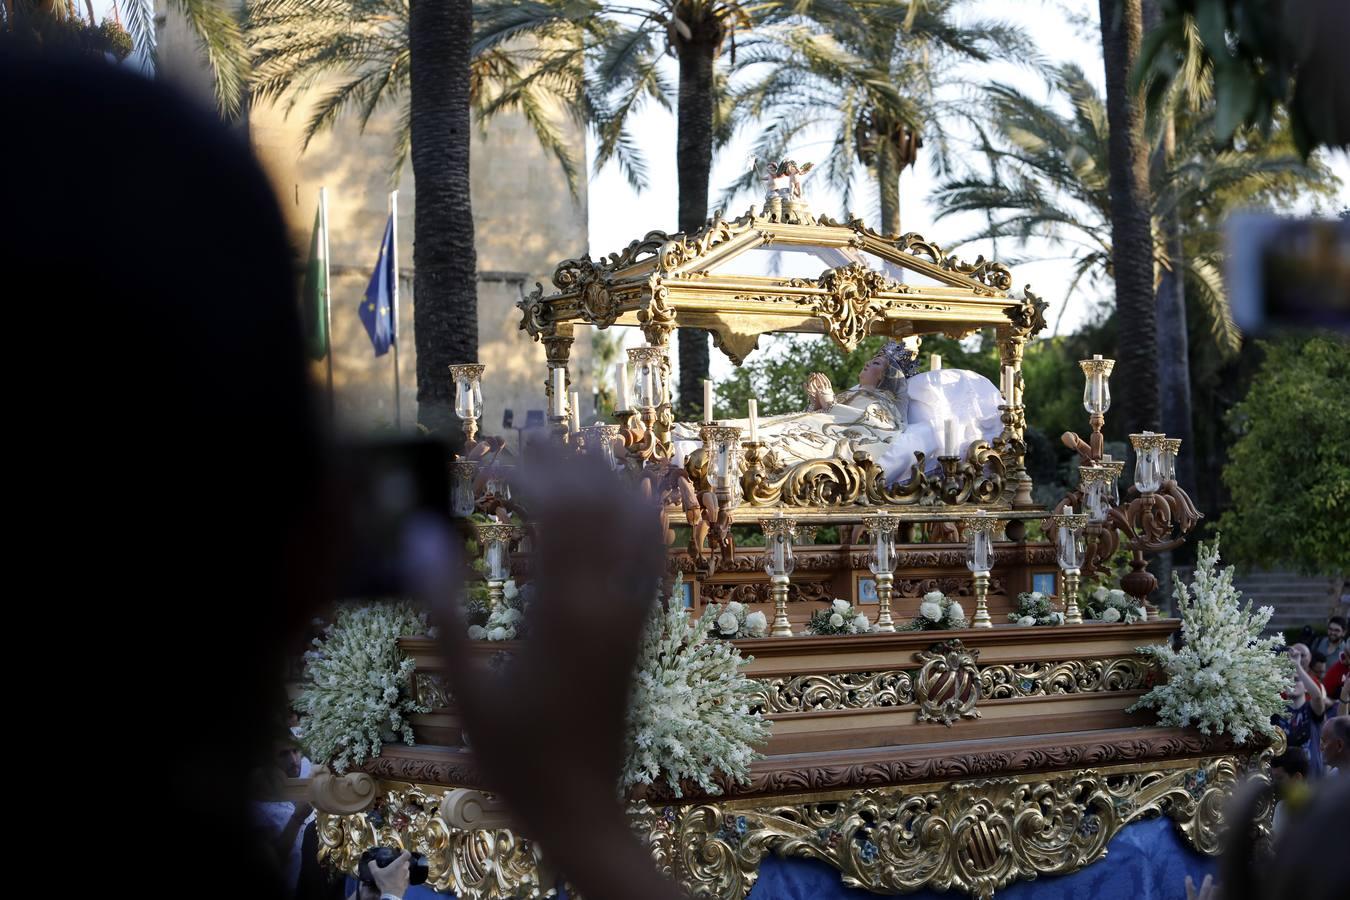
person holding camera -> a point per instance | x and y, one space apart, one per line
383 882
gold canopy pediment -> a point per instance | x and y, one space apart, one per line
878 284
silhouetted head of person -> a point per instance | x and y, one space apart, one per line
167 480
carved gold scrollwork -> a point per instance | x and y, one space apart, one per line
656 317
975 837
477 864
851 302
1073 677
834 482
896 687
846 690
948 684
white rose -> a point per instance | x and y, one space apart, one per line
955 611
837 620
1116 595
735 608
841 606
1057 618
862 624
1037 596
1026 620
1140 613
756 623
727 623
509 590
510 616
933 597
1110 614
497 634
930 610
477 632
1099 594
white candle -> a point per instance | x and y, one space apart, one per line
1097 386
754 419
934 362
707 400
1068 510
574 418
1009 385
949 438
621 376
559 391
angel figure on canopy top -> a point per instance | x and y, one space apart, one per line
784 200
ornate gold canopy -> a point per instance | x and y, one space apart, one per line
664 281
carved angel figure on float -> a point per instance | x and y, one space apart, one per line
784 200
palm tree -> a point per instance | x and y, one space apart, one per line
216 26
1131 239
883 85
358 51
445 278
624 70
1049 177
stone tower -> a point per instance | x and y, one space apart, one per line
525 221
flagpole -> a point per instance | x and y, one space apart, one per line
327 293
398 398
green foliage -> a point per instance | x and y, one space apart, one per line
1262 58
1289 470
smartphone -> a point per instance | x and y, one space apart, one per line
1288 274
384 485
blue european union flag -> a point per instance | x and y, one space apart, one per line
377 310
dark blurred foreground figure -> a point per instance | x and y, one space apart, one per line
1305 861
169 500
165 471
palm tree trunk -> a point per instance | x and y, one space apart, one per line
693 162
1174 362
888 186
445 283
93 21
1131 229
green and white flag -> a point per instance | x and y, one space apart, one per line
315 296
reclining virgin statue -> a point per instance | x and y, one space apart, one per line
893 411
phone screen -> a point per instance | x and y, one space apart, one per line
384 485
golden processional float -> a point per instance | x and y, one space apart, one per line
962 759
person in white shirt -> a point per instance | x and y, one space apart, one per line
1336 744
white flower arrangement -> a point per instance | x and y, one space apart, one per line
735 620
937 611
1226 677
1035 608
506 621
1112 605
689 715
356 693
840 618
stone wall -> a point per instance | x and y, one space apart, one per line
525 221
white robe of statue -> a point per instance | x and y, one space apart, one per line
887 424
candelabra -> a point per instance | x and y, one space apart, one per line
881 560
779 532
980 530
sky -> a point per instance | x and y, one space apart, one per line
620 214
1064 30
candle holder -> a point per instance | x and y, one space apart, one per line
980 530
1097 397
651 374
468 397
599 440
496 539
1069 528
881 561
779 532
463 496
1148 465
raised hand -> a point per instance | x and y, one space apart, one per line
547 726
